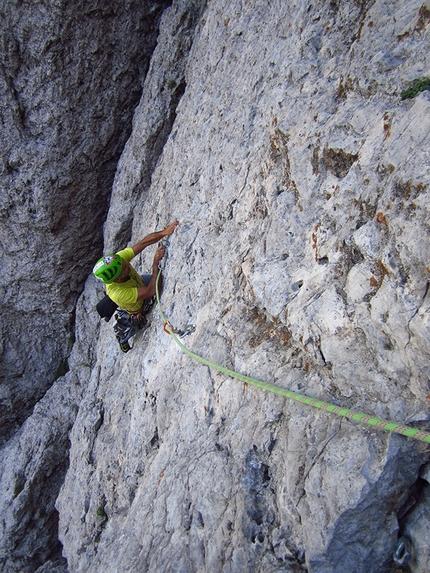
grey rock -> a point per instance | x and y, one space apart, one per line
299 268
70 78
417 529
301 184
34 462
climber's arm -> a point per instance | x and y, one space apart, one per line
153 238
149 291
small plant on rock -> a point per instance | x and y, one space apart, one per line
101 512
417 86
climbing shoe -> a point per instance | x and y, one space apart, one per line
125 347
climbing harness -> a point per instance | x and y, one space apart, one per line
344 412
128 324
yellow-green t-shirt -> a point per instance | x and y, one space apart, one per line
125 294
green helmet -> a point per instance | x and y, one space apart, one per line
108 268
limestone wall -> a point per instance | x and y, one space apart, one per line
276 134
71 76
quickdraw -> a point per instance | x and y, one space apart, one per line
188 329
402 552
386 425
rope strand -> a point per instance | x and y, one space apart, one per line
344 412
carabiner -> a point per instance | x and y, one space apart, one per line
189 329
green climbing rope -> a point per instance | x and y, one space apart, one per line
344 412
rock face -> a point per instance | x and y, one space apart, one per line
276 134
71 75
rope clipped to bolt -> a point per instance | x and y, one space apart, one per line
344 412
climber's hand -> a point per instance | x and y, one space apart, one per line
170 228
159 254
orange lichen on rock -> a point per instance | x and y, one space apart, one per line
381 219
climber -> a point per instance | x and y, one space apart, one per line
127 289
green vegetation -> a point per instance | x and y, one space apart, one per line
101 512
417 86
171 84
